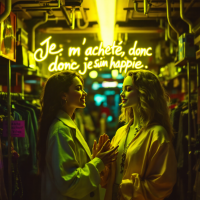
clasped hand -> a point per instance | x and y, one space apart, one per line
104 150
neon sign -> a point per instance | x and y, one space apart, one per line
101 62
49 50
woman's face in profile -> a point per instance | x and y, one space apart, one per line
129 93
76 95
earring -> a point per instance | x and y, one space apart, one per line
65 100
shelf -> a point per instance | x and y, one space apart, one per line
192 74
184 61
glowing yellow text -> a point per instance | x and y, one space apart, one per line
73 51
55 66
114 51
134 51
49 50
101 51
119 64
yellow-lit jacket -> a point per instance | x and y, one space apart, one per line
69 173
150 165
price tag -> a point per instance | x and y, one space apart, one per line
17 129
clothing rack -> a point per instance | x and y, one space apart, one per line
18 96
15 96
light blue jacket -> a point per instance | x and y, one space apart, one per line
70 173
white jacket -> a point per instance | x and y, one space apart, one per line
69 173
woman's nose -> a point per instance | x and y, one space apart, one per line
84 93
122 93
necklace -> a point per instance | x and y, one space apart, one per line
126 148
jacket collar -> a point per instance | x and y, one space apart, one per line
66 119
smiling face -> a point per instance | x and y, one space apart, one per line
76 95
129 93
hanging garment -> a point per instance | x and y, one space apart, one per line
26 115
34 120
21 145
28 166
3 193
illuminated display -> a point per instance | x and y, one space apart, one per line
115 50
49 50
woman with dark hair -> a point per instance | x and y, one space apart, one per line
68 171
146 165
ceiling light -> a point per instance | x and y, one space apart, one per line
106 12
106 84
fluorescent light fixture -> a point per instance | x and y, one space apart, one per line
106 12
106 84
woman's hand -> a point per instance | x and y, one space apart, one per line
103 138
107 156
96 147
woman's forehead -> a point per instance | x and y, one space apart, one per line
77 81
128 81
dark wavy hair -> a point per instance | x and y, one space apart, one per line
153 101
51 102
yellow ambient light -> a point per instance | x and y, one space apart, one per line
114 73
93 74
106 10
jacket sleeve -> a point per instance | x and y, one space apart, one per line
69 178
160 176
105 174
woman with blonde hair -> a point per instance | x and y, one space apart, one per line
146 165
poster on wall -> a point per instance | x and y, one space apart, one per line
8 36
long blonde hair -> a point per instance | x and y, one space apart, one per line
153 101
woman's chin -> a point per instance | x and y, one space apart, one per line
83 105
124 105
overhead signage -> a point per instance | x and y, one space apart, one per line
116 50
